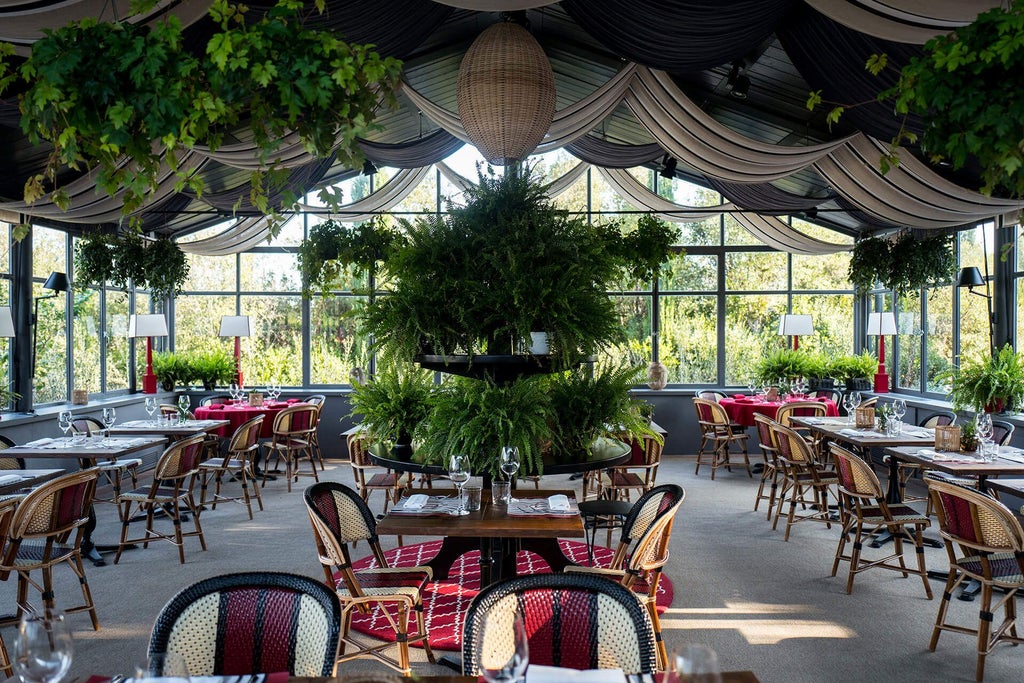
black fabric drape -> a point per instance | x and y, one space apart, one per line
764 197
412 154
831 58
611 154
679 35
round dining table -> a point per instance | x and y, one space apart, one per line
236 415
741 408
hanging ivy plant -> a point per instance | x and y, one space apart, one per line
102 93
130 260
904 265
331 247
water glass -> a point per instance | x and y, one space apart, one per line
162 665
474 495
695 663
151 406
109 417
64 422
458 472
43 648
500 492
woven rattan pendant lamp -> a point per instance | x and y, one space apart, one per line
506 93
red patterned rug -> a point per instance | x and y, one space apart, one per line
445 602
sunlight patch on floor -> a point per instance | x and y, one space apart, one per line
757 630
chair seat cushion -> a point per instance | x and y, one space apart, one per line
122 464
621 480
387 480
1005 568
220 464
409 581
164 494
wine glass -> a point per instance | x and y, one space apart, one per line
109 416
458 472
151 406
984 431
165 665
184 403
234 392
899 409
42 651
64 422
697 663
496 662
848 407
509 464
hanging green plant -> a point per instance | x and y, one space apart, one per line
331 247
102 93
130 260
905 265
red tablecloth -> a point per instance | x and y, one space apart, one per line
741 409
238 415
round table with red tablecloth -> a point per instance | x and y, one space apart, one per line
239 414
741 409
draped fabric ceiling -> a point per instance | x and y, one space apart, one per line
636 81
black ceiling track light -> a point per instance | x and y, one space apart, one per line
668 167
739 81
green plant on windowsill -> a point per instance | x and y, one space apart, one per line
783 365
853 367
213 367
171 369
987 383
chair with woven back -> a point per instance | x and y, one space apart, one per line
642 552
292 441
771 471
865 513
250 623
595 622
369 476
718 431
7 506
787 411
7 463
114 471
833 395
984 541
172 489
237 465
805 482
711 395
340 517
638 474
1002 432
215 400
46 531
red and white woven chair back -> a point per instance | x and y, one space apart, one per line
246 436
180 459
57 507
855 476
975 520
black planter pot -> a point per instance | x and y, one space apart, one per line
859 384
402 448
821 384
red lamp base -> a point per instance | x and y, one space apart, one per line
149 383
881 382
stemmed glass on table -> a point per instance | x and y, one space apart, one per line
151 407
42 651
899 409
109 416
235 392
64 422
850 402
509 464
984 432
496 663
696 663
184 403
458 472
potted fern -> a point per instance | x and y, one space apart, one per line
394 405
990 383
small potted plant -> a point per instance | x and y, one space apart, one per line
394 405
212 368
782 366
170 369
990 384
855 371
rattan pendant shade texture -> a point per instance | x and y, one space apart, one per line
506 93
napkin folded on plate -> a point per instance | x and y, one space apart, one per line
851 432
536 673
1012 457
216 406
558 502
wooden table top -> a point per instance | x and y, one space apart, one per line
960 464
490 521
838 429
164 428
29 479
89 449
727 677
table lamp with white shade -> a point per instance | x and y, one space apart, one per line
880 325
236 326
794 325
148 326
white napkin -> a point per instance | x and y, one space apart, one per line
1012 457
851 432
9 479
38 443
535 673
415 502
558 503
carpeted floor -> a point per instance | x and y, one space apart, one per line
761 603
445 602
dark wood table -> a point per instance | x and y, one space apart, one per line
961 465
498 535
28 479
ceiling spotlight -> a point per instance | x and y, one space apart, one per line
812 212
738 81
369 168
668 167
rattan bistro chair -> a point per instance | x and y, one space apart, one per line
718 432
292 441
772 471
805 483
576 621
340 517
173 480
237 464
984 541
46 531
642 552
865 513
251 623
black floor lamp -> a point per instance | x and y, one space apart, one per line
57 282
